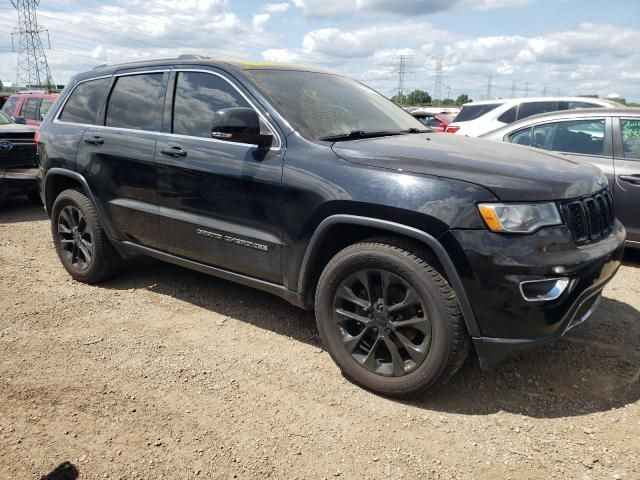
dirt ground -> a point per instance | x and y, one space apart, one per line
168 373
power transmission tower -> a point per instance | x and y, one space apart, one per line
437 90
449 92
489 87
33 68
403 61
544 91
526 89
513 89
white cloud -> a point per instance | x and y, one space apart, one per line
260 21
280 55
276 7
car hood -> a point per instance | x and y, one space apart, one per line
512 172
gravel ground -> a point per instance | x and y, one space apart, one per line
168 373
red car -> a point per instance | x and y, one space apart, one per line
437 122
29 108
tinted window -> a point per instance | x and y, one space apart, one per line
45 106
584 137
10 105
30 109
471 112
136 102
509 116
84 102
529 109
631 138
521 137
321 105
197 96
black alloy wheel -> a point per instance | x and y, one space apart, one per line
382 322
75 237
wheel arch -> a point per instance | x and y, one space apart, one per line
315 249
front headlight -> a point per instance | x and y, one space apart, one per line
519 218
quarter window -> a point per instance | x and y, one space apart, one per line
136 102
198 96
45 106
509 116
83 104
631 138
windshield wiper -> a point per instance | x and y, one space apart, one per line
357 134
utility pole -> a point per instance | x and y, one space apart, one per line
513 89
448 92
526 89
489 86
403 61
33 68
544 91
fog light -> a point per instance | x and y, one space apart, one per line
543 290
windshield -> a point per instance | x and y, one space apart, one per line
4 120
321 105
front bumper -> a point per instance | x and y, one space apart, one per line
18 180
493 266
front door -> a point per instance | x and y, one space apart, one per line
627 183
220 202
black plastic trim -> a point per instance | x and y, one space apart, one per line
316 244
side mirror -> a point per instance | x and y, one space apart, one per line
20 120
241 125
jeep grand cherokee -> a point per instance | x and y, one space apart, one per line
409 245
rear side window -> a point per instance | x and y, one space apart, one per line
45 106
577 105
197 96
136 102
529 109
471 112
84 102
30 109
509 116
10 105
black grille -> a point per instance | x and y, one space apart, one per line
589 218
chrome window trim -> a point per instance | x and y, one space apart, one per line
177 70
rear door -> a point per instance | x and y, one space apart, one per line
627 167
220 201
117 156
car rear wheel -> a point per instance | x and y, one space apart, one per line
80 240
389 319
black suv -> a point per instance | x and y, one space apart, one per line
411 246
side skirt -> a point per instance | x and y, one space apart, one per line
275 289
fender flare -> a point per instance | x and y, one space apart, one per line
452 274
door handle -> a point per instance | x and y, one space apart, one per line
174 152
635 179
95 140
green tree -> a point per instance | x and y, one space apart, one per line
462 99
418 97
400 99
1 86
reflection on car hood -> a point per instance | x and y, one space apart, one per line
511 172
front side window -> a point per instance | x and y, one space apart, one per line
136 102
30 109
584 137
10 105
4 119
631 138
83 104
198 95
321 105
521 137
529 109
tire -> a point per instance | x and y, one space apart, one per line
420 316
103 261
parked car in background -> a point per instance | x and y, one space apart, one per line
409 245
18 170
435 121
29 108
608 138
478 118
3 99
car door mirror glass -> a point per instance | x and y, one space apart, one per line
241 125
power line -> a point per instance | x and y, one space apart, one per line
33 68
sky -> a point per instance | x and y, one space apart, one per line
526 47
